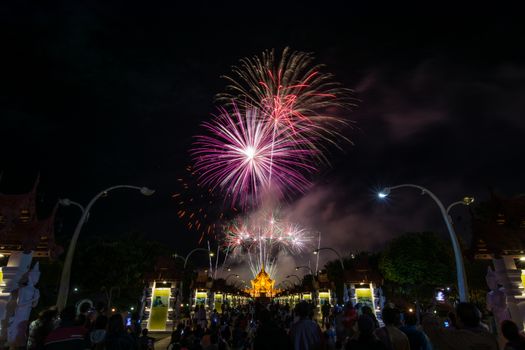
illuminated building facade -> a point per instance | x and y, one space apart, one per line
363 284
24 235
498 237
159 308
262 286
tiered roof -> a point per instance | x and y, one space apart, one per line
165 269
498 227
363 272
22 230
262 284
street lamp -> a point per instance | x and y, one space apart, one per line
231 274
65 278
305 267
345 290
184 268
239 284
336 253
193 251
291 284
460 267
298 279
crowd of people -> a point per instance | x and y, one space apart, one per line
86 329
276 326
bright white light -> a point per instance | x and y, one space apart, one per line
522 258
382 195
250 152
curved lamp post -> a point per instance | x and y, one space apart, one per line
184 270
231 274
65 278
298 279
460 267
291 284
345 290
336 253
305 267
240 284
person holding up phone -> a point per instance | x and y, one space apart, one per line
467 333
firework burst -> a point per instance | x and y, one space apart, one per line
292 93
261 238
244 157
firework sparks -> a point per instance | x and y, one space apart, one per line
292 93
244 156
261 239
199 208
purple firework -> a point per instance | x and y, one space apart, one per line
245 156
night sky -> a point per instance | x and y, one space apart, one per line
95 94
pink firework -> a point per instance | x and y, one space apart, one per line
293 93
265 236
245 156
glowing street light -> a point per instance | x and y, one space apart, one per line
460 267
230 275
383 194
305 267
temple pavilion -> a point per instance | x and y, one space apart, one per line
21 229
262 286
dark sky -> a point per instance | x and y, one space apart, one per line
94 94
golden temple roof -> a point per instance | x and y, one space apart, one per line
262 285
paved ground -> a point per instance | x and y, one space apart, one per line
163 343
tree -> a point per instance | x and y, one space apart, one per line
417 263
119 263
336 274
